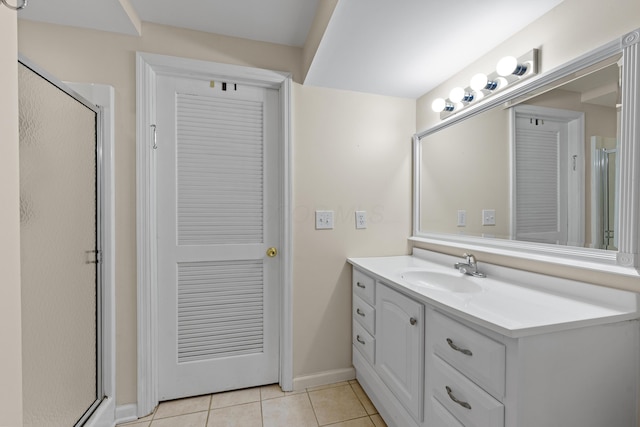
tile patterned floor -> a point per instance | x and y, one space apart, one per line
343 404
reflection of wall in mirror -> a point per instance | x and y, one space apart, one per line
466 167
599 120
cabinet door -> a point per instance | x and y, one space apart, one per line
399 347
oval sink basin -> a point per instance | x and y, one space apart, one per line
453 282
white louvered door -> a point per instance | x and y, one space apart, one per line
218 213
540 181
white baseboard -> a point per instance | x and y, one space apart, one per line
104 415
126 413
323 378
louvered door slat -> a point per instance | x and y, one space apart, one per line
220 309
219 170
537 176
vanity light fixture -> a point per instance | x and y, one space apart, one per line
480 81
510 65
509 70
439 105
458 95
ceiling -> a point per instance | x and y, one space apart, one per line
398 48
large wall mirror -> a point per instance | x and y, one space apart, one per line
547 170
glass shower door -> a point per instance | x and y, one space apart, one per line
60 243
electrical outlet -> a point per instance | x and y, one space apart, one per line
361 219
462 218
488 217
324 220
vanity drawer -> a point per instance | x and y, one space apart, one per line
463 399
442 417
477 356
364 286
364 342
364 313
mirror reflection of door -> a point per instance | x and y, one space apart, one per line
547 176
59 223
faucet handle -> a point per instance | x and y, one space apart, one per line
471 259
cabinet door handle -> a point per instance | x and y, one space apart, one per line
413 321
360 340
456 348
459 402
360 285
359 312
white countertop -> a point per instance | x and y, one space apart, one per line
511 302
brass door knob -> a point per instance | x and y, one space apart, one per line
271 252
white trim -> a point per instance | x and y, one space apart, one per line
286 327
145 233
104 97
148 66
104 415
627 260
324 378
126 413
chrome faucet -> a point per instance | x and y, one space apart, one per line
469 267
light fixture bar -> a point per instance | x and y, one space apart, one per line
509 71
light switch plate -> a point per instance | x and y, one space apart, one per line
462 218
488 217
324 220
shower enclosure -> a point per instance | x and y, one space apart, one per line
604 193
60 251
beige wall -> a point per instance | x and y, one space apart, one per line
10 307
477 147
351 150
571 29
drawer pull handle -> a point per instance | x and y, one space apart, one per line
360 285
413 321
459 402
456 348
359 312
360 340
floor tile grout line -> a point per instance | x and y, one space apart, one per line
312 408
261 411
206 423
360 400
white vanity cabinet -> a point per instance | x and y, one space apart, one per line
465 372
425 362
400 347
364 315
578 377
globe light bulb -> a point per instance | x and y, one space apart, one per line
506 66
438 105
478 82
456 95
509 65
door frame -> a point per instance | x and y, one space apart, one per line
574 121
148 67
